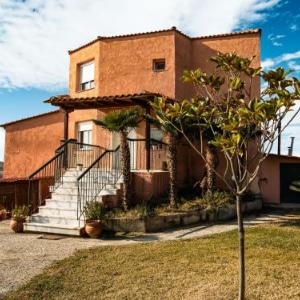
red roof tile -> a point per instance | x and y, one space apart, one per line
101 38
102 101
29 118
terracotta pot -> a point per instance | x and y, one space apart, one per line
17 226
93 228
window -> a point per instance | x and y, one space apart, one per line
85 134
87 74
156 136
159 65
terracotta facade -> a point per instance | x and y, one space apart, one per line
124 65
30 143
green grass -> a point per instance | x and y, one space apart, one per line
204 268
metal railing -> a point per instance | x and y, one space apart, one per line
68 155
104 171
142 150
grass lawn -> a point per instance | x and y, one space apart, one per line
204 268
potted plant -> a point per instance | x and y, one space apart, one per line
2 214
19 215
95 213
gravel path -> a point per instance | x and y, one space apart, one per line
23 256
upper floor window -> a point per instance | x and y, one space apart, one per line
159 64
87 76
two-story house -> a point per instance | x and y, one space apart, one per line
111 73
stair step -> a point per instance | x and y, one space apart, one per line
50 211
53 228
63 204
74 191
38 218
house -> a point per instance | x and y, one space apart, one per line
1 169
66 151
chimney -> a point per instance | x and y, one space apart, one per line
290 149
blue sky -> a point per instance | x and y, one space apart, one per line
36 34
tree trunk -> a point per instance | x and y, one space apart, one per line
172 167
211 163
125 169
241 248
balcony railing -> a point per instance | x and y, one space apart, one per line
147 154
69 155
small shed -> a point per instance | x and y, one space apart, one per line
280 179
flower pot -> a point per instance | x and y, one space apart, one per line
17 225
93 228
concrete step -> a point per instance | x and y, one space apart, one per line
63 204
64 197
52 228
68 221
74 191
51 211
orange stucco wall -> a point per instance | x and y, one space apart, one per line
30 143
270 177
124 65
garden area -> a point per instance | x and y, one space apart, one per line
203 268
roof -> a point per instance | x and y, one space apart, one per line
13 179
173 29
66 101
29 118
283 156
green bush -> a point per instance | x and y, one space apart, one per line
217 200
20 213
95 210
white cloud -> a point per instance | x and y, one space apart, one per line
286 57
267 63
294 66
36 34
274 39
294 27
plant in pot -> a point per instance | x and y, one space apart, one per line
2 214
19 215
95 213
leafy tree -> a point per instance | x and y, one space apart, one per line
121 121
243 124
172 139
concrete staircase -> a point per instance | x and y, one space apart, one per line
59 214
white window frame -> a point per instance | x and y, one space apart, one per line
87 127
90 82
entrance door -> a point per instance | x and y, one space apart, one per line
290 183
132 146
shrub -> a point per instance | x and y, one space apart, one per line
95 210
217 200
20 213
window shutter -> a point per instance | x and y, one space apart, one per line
87 72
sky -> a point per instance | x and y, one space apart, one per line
35 36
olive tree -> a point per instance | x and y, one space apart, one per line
243 124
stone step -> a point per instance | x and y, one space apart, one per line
52 228
69 221
63 204
51 211
74 191
63 197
